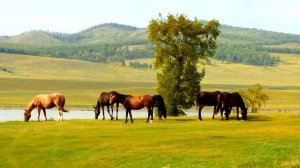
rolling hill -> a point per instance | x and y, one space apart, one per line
112 42
113 32
23 76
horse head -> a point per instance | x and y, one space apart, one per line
244 114
27 115
96 111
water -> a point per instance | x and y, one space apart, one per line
52 114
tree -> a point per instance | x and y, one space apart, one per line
181 44
254 98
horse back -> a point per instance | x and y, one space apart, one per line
138 102
232 99
208 98
237 100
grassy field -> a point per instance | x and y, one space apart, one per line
265 140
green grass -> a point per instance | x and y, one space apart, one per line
268 140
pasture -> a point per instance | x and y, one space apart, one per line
265 140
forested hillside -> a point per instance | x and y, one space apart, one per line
113 42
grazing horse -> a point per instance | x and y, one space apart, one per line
207 99
138 102
159 102
228 100
44 101
106 99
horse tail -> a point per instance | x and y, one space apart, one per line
158 99
63 104
219 104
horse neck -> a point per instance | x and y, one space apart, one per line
98 104
242 105
121 98
30 106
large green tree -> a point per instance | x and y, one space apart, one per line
181 45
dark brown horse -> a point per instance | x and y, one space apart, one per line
138 102
107 99
207 99
44 101
229 100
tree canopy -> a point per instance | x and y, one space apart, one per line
180 45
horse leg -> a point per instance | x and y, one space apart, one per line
199 113
130 114
222 110
213 117
151 112
148 116
126 116
39 112
112 112
117 111
44 111
103 112
109 112
227 112
61 113
237 113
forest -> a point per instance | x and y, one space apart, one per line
114 43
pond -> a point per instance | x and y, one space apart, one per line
52 114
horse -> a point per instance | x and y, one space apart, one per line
44 101
207 99
228 100
138 102
106 99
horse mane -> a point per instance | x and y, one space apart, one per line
30 105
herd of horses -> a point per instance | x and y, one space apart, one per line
222 101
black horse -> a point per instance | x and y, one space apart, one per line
228 100
106 99
138 102
207 99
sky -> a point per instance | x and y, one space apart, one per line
71 16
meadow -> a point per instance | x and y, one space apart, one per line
265 140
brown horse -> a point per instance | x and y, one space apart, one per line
44 102
207 99
138 102
107 99
228 100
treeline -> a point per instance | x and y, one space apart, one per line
245 54
139 65
111 53
104 53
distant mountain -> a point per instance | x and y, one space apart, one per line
112 42
116 33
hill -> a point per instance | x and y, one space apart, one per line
113 42
81 81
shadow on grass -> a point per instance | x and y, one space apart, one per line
185 119
259 118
